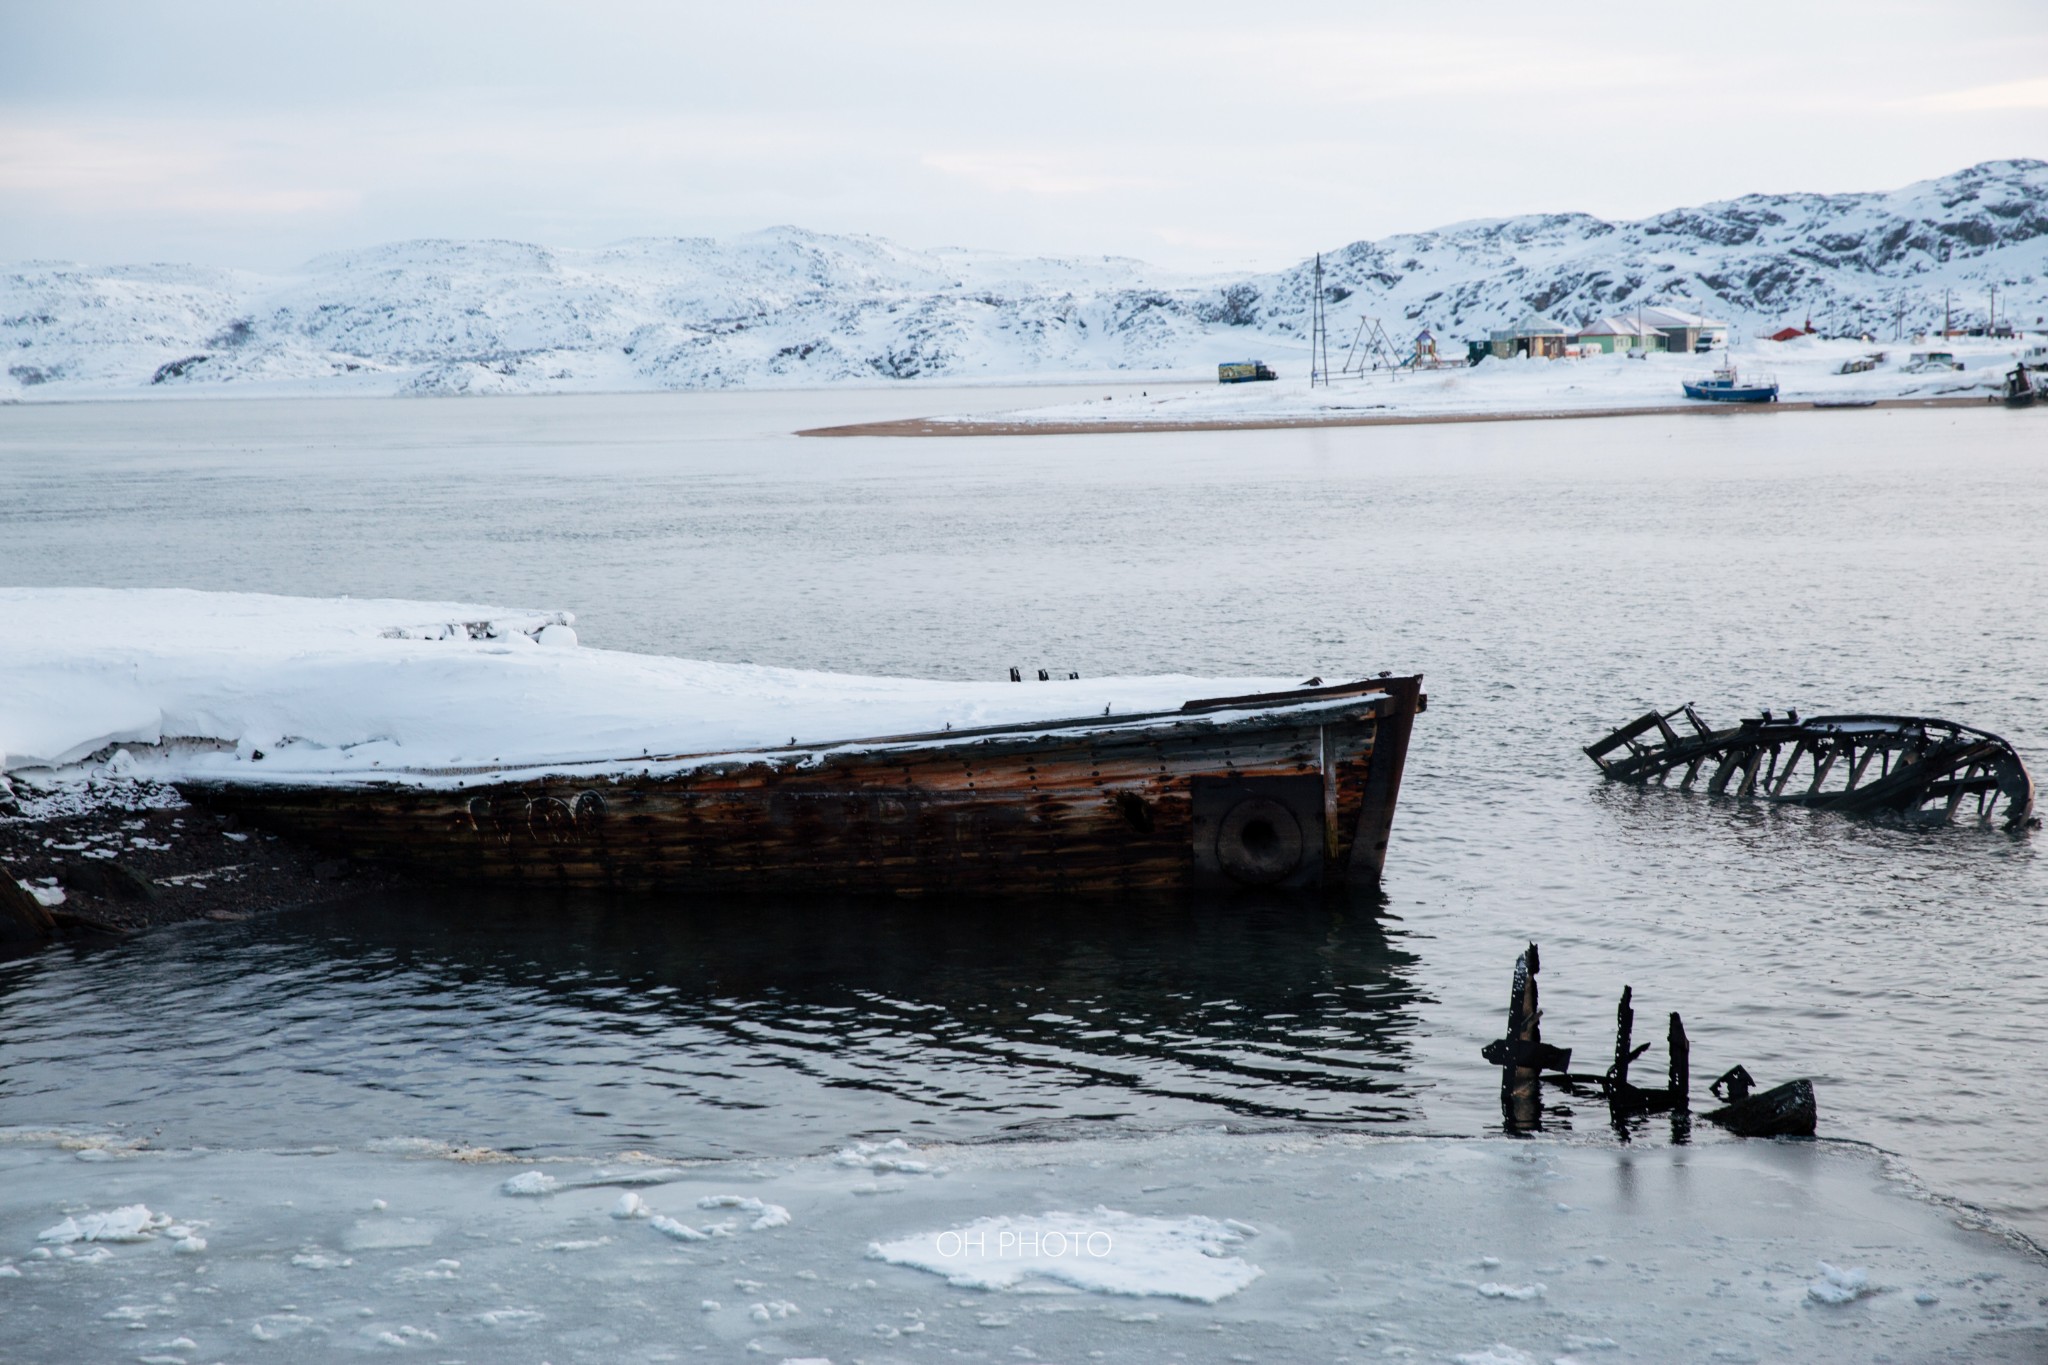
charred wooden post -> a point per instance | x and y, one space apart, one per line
1522 1055
1919 766
1521 1087
1625 1099
1679 1080
1624 1034
1733 1086
1680 1069
1786 1110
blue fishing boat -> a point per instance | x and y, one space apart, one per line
1726 386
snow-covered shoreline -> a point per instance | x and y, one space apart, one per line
1807 370
170 685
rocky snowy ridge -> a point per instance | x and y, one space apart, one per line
790 307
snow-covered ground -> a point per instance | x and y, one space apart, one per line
1197 1246
787 306
1807 370
256 687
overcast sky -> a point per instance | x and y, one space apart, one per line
1195 135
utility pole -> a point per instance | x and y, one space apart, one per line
1947 316
1991 318
1899 319
1318 334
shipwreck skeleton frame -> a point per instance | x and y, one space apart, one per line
1914 766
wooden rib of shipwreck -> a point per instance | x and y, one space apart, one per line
1916 766
1290 789
1787 1110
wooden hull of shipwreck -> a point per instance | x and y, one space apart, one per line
1919 767
1277 790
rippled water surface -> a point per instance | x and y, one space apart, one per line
1552 580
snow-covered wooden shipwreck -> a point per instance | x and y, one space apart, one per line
1913 766
1283 789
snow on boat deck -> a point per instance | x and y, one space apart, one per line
351 690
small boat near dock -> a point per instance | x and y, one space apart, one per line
2019 390
1726 385
1271 790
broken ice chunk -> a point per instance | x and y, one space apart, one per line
682 1232
1836 1285
765 1215
130 1223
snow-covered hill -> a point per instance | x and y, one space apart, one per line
791 307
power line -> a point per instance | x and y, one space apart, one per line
1318 333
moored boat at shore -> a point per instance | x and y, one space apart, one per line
1726 385
1289 789
2019 390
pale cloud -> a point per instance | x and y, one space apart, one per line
242 132
2029 94
1222 244
142 168
1032 173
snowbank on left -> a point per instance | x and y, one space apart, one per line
262 687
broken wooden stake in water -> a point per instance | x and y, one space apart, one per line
1524 1057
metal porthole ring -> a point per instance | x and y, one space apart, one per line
513 816
556 817
1259 842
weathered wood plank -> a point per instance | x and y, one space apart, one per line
1071 807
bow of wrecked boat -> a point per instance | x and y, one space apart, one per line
1283 790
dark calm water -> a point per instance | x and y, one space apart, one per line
1552 579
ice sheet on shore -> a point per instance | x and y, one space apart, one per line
1106 1250
257 687
1367 1248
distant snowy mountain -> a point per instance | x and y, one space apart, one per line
1848 262
791 307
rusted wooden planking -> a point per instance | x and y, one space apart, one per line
1081 806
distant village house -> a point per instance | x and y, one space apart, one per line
1533 335
1647 329
1609 335
1685 331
